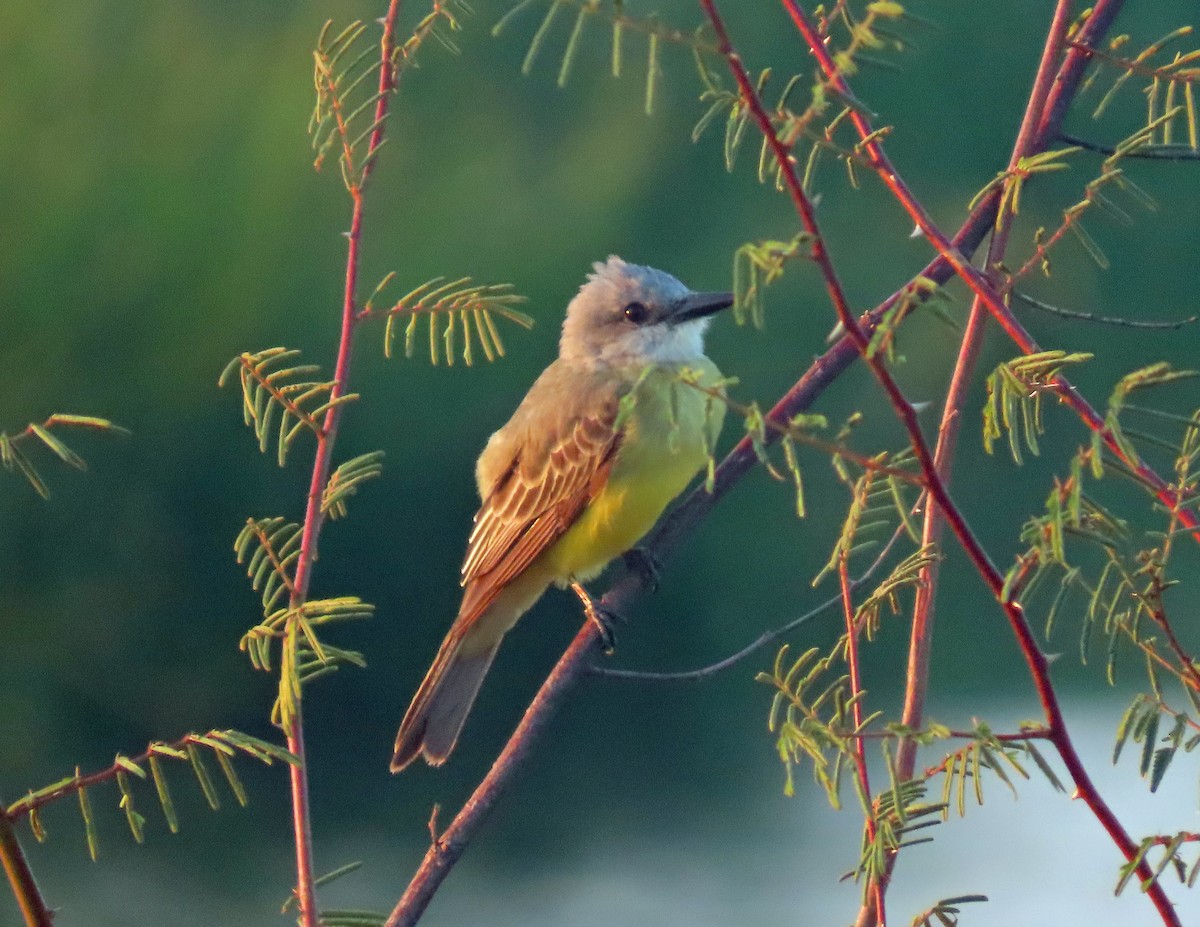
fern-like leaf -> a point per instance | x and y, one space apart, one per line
945 913
894 815
654 29
281 399
347 115
14 458
756 265
345 480
148 767
457 315
1014 398
270 548
905 575
303 656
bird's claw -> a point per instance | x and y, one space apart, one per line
605 619
606 622
648 567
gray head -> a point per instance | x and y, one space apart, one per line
629 315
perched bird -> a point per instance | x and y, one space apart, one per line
578 474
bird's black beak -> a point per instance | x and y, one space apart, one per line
698 305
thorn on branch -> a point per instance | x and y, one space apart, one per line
433 828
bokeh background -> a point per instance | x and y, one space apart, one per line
160 214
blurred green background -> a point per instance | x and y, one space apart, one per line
160 215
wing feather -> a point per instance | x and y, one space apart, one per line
535 501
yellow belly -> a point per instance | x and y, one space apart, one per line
665 443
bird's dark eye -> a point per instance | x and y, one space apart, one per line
637 313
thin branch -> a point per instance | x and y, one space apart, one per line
970 275
921 634
663 539
1102 319
876 890
769 637
1178 152
1035 659
305 890
216 740
834 449
1138 65
20 877
445 851
683 519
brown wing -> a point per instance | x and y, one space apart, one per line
534 502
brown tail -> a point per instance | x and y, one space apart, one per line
439 709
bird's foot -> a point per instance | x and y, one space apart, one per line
648 567
605 619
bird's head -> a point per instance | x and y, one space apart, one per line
630 315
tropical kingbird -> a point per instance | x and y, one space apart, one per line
578 475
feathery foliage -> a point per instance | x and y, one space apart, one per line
878 502
270 547
1159 374
349 88
1116 577
867 38
148 767
451 311
14 457
612 12
1169 86
1142 724
894 816
1174 847
917 293
984 752
811 717
756 265
945 913
281 400
906 575
346 479
1014 398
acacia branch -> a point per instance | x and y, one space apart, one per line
20 876
876 890
676 525
305 890
1056 107
30 804
1035 659
921 633
683 519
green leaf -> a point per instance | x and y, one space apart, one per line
164 794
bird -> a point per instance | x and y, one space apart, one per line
608 435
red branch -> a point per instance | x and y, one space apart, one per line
962 266
875 890
921 634
573 665
322 463
679 522
1034 658
20 877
